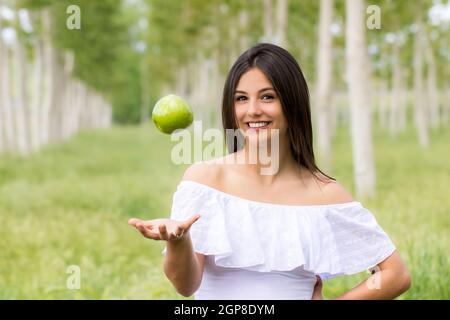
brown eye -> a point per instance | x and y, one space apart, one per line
267 97
241 98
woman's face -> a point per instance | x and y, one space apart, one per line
257 107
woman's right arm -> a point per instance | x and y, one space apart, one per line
182 266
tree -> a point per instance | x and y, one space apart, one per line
20 79
324 77
420 115
282 21
360 104
6 118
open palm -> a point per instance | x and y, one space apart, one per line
164 229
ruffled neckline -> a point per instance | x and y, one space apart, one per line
261 203
326 239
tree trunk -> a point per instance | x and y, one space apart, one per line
268 21
21 101
404 104
446 104
144 92
67 105
420 115
244 42
396 102
203 89
77 101
37 94
3 93
182 82
58 101
2 119
360 103
282 21
6 100
324 74
48 77
234 43
432 90
383 100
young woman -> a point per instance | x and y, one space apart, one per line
235 233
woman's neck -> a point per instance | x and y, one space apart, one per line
268 167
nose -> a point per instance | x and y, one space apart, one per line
253 108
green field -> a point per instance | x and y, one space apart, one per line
69 205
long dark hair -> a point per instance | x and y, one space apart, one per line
287 78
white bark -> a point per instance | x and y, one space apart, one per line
144 114
404 103
37 95
446 105
7 102
324 74
20 102
432 90
420 115
82 100
47 104
383 100
67 104
58 101
202 89
360 103
282 21
396 94
6 120
244 42
234 43
2 120
48 78
217 82
77 96
182 82
268 21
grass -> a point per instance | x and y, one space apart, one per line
69 205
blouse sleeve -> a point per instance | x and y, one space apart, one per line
354 242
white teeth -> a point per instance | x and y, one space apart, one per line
257 124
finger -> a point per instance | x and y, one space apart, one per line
179 231
148 224
163 232
147 233
190 221
133 221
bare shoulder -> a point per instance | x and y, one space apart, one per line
331 191
205 172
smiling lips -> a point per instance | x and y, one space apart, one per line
258 125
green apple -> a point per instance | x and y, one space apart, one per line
170 113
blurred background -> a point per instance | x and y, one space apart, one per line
79 154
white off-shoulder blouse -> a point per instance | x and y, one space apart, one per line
259 250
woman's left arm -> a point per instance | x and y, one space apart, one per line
390 280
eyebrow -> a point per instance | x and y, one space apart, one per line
264 89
